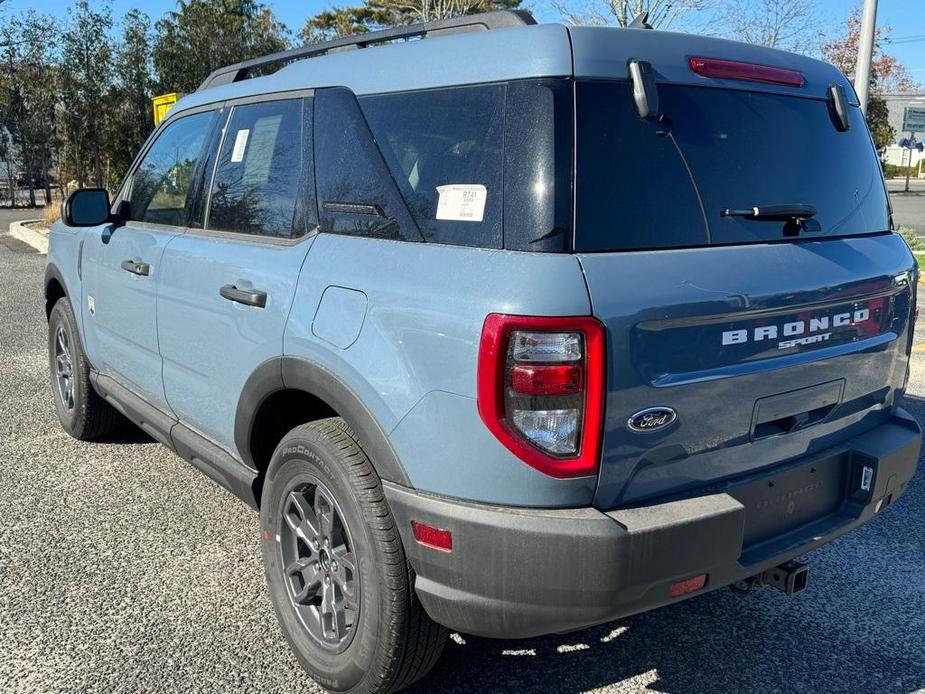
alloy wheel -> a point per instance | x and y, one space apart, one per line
64 368
320 567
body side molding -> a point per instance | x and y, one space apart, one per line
205 456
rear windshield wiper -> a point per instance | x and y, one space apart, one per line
796 218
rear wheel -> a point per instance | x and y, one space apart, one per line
337 573
83 414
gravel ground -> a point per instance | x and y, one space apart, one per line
123 569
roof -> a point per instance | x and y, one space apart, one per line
529 51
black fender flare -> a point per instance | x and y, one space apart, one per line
297 373
53 273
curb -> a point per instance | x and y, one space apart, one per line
37 239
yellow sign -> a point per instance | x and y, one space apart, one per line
162 105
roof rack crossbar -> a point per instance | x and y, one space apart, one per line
476 22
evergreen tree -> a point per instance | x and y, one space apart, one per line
380 14
129 109
86 76
203 35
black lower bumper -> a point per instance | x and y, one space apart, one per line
517 572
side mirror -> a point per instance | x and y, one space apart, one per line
87 207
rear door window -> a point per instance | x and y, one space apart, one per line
737 149
260 169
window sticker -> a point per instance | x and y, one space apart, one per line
240 144
461 202
262 145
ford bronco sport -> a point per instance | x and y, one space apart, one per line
511 330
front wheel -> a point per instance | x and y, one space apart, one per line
83 414
336 569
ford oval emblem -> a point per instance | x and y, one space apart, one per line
651 419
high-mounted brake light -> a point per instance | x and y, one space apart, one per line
541 390
750 72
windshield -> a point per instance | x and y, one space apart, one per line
642 184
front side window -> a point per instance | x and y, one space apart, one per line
161 183
259 173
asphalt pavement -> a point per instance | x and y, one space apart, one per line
908 208
122 569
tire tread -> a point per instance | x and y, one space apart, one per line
415 641
96 418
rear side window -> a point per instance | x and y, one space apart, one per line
259 172
356 192
161 183
486 166
444 149
638 181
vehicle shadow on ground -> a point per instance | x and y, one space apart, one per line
819 641
126 433
704 645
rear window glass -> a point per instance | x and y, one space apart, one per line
636 179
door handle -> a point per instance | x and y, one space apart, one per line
136 268
250 297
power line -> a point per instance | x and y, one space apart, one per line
908 39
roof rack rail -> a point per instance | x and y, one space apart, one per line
456 25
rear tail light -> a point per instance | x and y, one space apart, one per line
749 72
541 389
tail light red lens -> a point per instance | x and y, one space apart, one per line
541 390
546 380
749 72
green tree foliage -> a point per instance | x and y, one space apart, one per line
203 35
878 120
86 77
379 14
128 104
30 80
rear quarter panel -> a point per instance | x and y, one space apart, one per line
414 360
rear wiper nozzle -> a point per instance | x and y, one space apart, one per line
773 213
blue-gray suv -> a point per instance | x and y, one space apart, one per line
511 330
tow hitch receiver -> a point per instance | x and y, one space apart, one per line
790 577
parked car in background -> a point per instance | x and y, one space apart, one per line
26 180
512 330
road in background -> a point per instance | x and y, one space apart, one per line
17 214
124 569
908 208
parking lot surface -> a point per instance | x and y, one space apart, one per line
122 569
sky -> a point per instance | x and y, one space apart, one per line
907 17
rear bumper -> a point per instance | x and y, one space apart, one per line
517 572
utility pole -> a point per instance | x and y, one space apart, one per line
865 52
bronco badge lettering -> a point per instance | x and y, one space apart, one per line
801 332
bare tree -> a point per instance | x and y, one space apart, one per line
662 13
785 24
